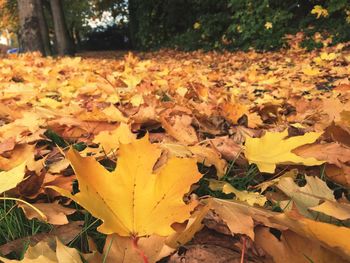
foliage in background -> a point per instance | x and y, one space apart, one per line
236 24
8 15
203 24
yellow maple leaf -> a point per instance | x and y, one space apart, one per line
273 148
134 200
309 71
328 56
131 80
268 25
197 25
319 11
251 198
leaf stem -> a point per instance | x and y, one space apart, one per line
243 249
134 240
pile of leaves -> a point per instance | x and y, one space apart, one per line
170 156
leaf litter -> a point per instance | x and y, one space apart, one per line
178 154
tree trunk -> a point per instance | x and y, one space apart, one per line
43 27
64 42
30 36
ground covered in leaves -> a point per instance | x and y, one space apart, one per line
170 156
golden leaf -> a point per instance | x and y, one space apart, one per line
250 198
133 200
10 179
273 148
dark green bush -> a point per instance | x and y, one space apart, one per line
236 24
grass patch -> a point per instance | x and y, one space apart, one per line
14 225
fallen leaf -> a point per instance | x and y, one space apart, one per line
59 166
338 175
66 254
234 111
11 178
292 248
181 129
333 153
65 233
240 217
151 201
193 225
273 148
307 196
208 157
123 249
42 253
334 209
251 198
264 185
110 140
18 155
55 213
331 236
207 253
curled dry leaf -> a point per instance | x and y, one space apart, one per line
333 153
339 175
227 147
193 225
293 248
55 213
179 127
240 217
330 236
18 155
209 156
334 209
307 196
207 253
